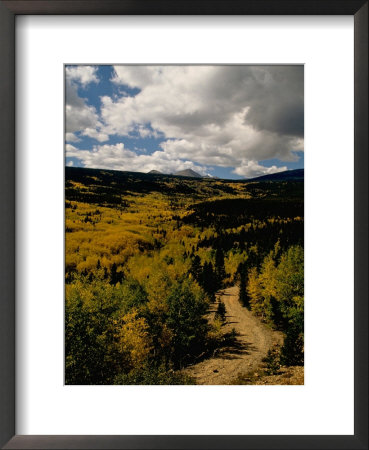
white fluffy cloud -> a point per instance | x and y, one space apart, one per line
250 169
119 158
81 117
96 133
82 74
71 137
213 113
230 116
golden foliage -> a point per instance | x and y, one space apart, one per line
133 339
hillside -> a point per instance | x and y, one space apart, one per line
287 175
149 256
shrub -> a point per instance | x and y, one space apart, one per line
187 306
293 348
273 362
221 311
151 375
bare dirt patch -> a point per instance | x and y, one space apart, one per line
293 375
245 353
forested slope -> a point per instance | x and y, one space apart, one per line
145 255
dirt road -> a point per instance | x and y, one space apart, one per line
252 343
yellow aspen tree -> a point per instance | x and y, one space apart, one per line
133 339
254 290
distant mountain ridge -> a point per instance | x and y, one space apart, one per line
188 173
287 175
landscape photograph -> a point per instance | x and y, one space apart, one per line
184 225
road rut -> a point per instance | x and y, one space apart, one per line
251 345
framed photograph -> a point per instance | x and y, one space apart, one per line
184 228
184 224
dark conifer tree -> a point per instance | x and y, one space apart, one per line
115 276
208 280
221 311
292 353
243 297
219 266
196 268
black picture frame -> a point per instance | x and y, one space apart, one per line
8 12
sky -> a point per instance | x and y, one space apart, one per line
232 122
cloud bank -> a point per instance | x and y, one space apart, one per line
228 116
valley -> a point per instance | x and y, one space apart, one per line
176 279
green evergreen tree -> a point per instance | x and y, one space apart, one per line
208 280
219 267
186 312
115 276
196 267
243 297
292 353
221 311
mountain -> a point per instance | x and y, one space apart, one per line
155 172
287 175
188 173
